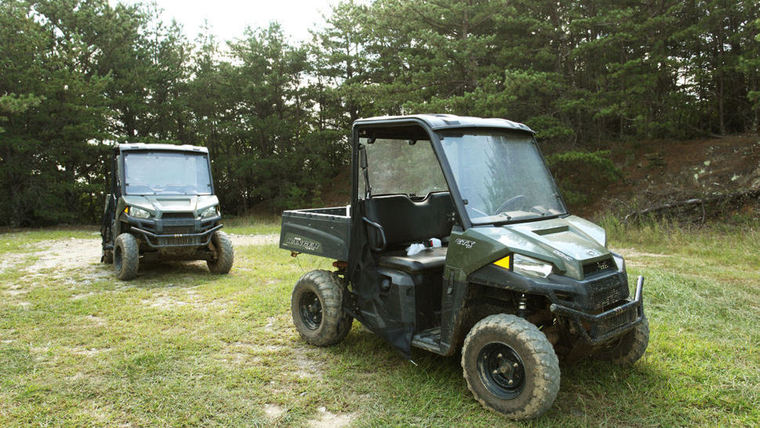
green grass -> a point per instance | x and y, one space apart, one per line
179 346
255 225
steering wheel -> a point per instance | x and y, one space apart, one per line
475 211
510 201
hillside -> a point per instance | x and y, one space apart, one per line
661 172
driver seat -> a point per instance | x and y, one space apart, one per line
402 221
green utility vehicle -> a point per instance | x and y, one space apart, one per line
511 279
161 205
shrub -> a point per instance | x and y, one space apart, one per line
582 174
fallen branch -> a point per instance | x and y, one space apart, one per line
701 202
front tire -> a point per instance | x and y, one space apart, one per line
317 309
225 254
629 348
510 367
126 256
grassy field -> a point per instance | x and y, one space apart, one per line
179 346
253 226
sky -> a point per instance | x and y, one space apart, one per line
229 18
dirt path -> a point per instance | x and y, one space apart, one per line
243 240
75 253
632 253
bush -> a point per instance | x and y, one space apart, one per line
582 174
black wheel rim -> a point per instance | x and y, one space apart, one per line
311 310
501 370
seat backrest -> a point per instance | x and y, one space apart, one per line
404 220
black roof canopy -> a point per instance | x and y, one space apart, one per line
405 125
133 147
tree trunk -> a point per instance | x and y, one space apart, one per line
721 107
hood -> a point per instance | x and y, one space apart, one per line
172 203
567 242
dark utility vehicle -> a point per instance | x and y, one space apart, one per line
516 282
161 205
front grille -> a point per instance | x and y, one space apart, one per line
178 229
178 215
598 266
606 291
183 240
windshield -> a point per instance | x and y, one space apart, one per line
166 173
501 176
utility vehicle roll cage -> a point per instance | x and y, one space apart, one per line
425 127
118 161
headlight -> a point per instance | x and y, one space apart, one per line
139 212
210 212
529 266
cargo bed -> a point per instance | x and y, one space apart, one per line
324 232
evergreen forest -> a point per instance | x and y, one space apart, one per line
78 76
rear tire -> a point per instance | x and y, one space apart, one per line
317 309
629 348
225 254
510 367
126 256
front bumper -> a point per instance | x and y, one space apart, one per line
602 327
175 232
178 239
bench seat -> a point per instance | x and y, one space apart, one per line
427 259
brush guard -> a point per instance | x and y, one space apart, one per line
177 239
599 328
